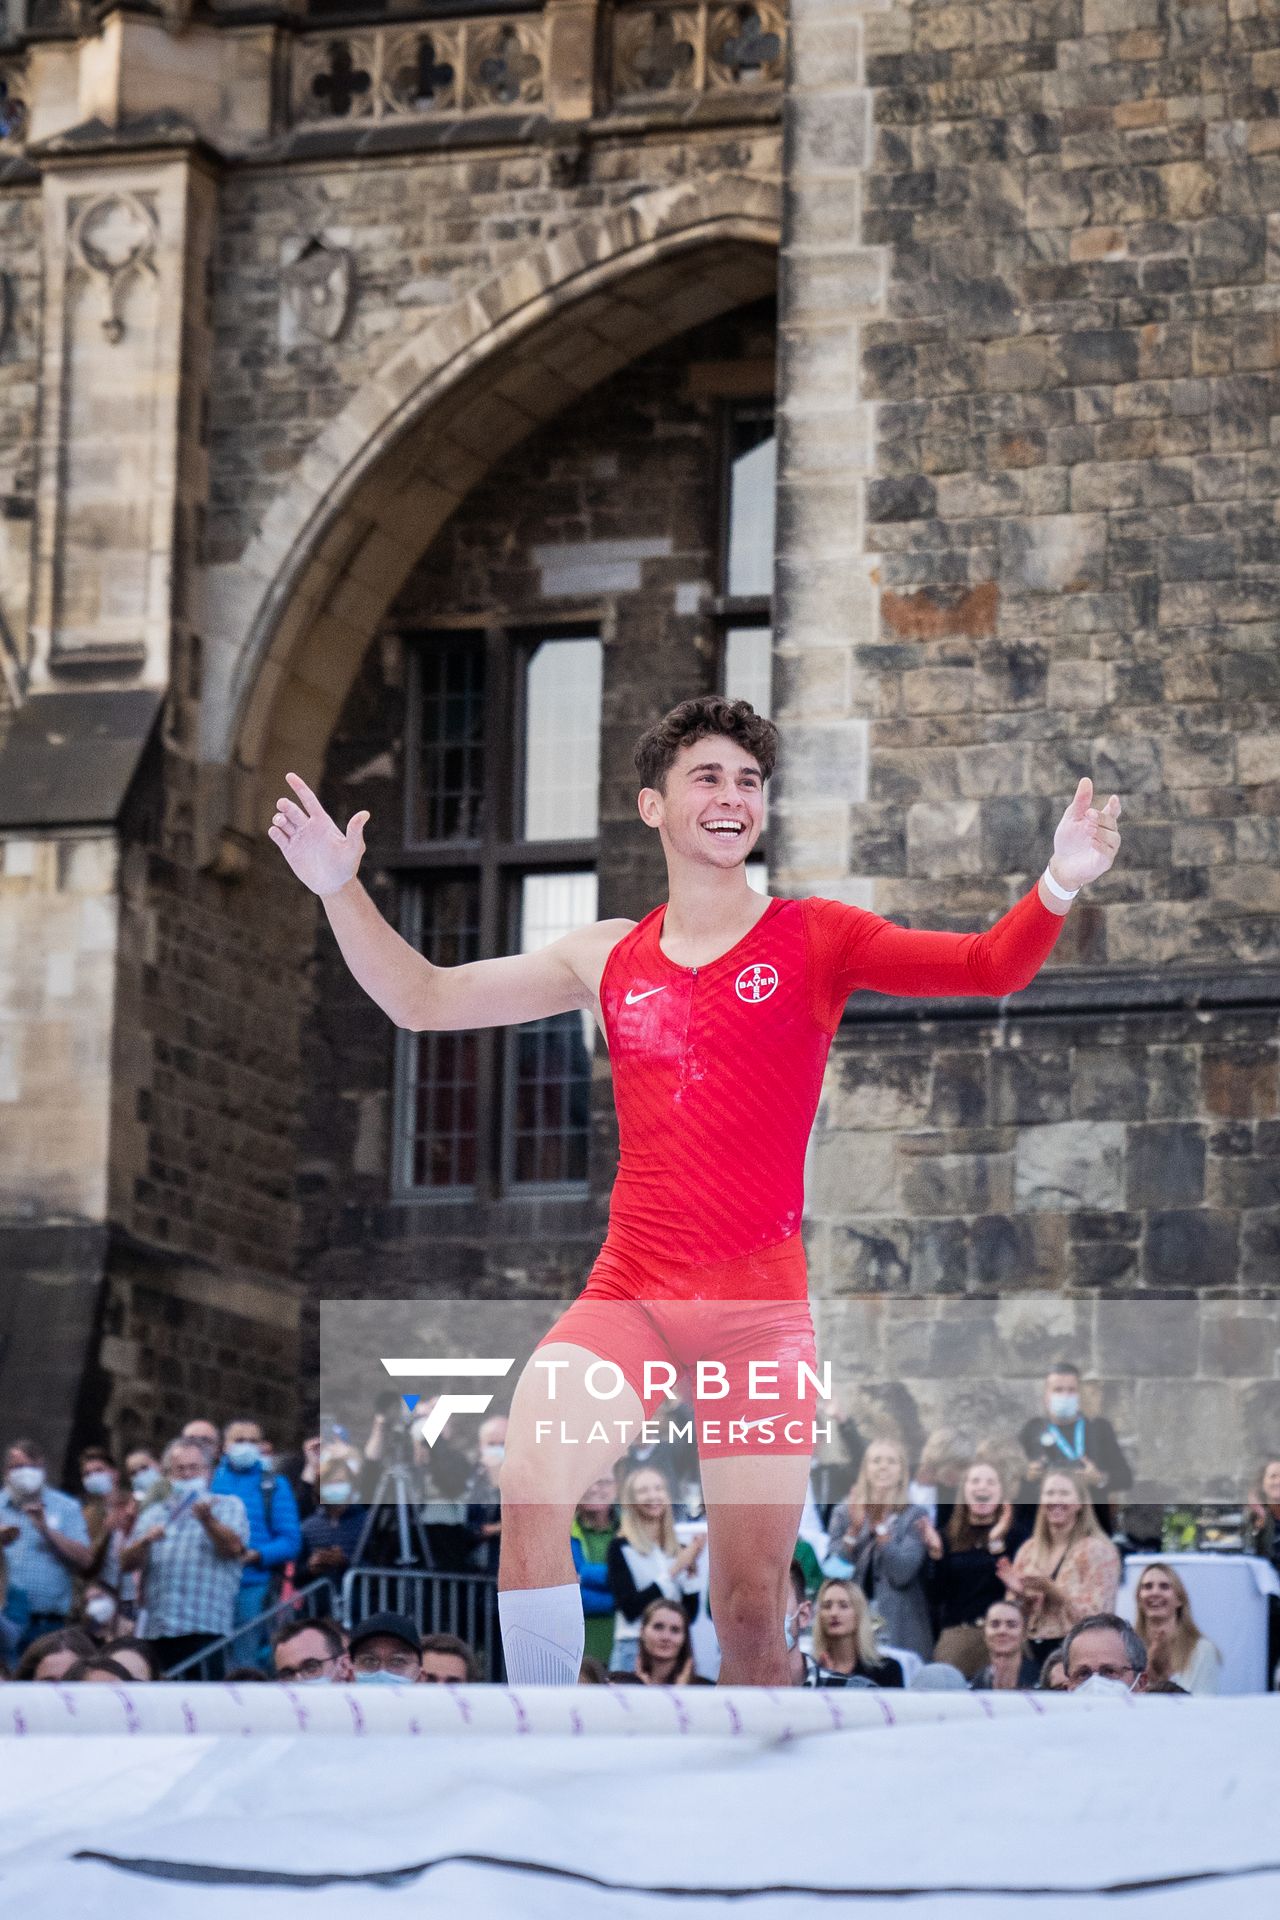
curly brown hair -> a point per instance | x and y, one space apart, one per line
701 719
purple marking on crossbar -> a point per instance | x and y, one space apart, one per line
19 1721
886 1710
522 1718
189 1717
832 1707
735 1720
1036 1706
462 1706
357 1718
682 1718
132 1724
300 1713
986 1706
575 1721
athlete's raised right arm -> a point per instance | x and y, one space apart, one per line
559 978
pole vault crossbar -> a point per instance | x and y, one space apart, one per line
753 1713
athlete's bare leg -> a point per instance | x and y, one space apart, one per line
543 1479
753 1516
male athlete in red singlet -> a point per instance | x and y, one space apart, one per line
719 1011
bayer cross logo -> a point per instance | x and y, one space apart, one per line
756 983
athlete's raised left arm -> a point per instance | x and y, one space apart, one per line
886 958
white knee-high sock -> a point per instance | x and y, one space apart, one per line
543 1633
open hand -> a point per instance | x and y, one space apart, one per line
323 857
1087 840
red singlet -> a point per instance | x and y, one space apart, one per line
717 1071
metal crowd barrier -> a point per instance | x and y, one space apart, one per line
245 1647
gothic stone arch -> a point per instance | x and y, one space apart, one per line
290 622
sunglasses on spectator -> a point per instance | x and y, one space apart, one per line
305 1670
389 1663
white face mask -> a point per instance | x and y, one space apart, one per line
144 1479
493 1453
792 1631
25 1481
336 1493
243 1455
1100 1687
196 1484
97 1483
100 1609
1064 1406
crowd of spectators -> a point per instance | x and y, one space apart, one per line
994 1567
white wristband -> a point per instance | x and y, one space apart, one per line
1059 893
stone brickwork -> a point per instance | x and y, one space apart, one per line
1075 504
1039 1152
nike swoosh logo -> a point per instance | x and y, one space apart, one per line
648 994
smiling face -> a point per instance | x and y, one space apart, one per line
649 1493
982 1491
1002 1629
1060 1500
884 1468
662 1636
711 808
1158 1597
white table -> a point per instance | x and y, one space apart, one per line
1228 1593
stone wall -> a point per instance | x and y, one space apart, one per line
1075 501
422 231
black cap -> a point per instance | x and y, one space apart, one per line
398 1625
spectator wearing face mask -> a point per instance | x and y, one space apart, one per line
483 1506
448 1661
385 1650
188 1550
796 1622
310 1651
110 1511
275 1537
142 1471
99 1613
1064 1436
1103 1654
332 1533
45 1539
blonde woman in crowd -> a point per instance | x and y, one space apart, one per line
845 1643
1067 1570
646 1561
1176 1648
881 1540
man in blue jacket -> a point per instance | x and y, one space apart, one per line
275 1536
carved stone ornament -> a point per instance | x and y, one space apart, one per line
114 239
317 287
506 63
745 46
655 50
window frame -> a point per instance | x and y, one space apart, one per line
498 858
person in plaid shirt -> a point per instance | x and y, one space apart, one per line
190 1549
45 1542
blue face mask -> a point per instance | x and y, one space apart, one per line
184 1487
791 1631
384 1679
243 1454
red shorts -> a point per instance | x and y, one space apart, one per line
731 1341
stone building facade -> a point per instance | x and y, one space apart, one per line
353 360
